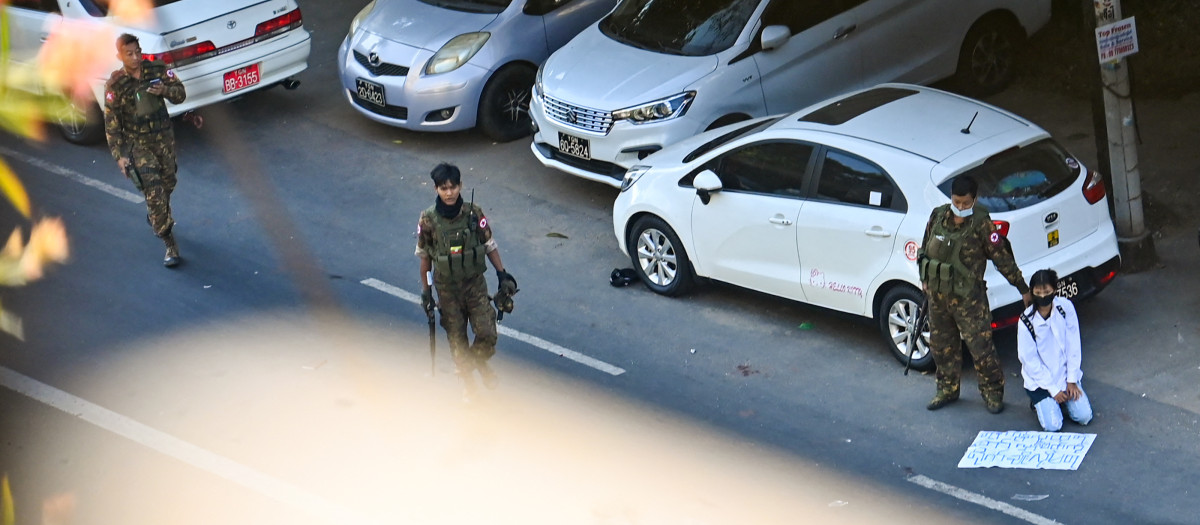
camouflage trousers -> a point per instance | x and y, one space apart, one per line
462 303
953 319
153 157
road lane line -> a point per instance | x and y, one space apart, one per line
73 175
558 350
981 500
177 448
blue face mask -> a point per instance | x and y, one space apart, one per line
962 213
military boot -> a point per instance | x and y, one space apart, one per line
941 399
994 402
467 374
172 258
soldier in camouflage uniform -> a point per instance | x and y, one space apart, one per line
453 239
959 239
139 133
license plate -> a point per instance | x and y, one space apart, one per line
1067 287
242 78
370 92
574 146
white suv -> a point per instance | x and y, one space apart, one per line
219 48
654 72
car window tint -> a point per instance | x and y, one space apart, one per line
851 179
799 16
46 6
772 168
1016 178
679 27
473 6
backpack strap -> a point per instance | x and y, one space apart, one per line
1061 311
1029 325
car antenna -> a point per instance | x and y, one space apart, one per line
967 130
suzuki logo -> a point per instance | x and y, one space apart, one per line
1052 217
373 59
572 117
231 24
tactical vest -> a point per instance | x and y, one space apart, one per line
149 112
942 269
458 252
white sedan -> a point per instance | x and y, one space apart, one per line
219 48
828 205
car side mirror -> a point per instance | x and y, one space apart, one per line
706 184
775 36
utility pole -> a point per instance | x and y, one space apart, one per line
1133 237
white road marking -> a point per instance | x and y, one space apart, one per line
74 175
560 351
177 448
981 500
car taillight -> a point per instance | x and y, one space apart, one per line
185 55
1104 279
1002 227
286 22
1005 322
1093 189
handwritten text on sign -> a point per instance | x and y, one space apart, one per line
1032 450
1117 40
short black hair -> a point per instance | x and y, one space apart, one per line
126 39
1044 276
964 185
445 172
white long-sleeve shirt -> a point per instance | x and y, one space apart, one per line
1052 360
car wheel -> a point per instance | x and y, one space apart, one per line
504 104
659 258
898 312
987 60
81 125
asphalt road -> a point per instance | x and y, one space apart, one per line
262 382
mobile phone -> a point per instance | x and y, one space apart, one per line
156 81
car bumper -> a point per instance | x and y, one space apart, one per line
414 101
1091 264
611 153
278 59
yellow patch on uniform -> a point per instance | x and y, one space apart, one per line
455 250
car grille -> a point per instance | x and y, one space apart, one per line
579 117
384 69
396 112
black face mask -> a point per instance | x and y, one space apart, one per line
1043 301
449 211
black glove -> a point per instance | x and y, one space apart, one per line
427 301
504 294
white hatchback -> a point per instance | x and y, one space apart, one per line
219 48
828 205
654 72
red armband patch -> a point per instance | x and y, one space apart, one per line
995 238
482 222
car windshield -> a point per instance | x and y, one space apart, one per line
679 27
1020 177
471 6
100 7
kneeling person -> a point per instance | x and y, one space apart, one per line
1048 345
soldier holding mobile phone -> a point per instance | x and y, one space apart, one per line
139 133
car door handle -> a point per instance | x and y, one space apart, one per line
842 32
780 221
878 232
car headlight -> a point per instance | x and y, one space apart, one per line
537 82
632 175
362 15
456 52
662 109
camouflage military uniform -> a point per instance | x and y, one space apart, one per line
138 128
958 306
458 247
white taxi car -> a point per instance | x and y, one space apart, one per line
219 48
828 205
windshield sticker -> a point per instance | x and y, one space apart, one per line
876 198
1072 163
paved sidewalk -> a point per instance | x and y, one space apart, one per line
1154 349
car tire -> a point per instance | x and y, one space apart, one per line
87 130
659 258
504 104
987 60
897 312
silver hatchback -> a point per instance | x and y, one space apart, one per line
448 65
